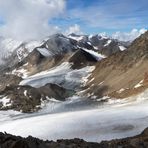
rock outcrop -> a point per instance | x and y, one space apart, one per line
29 99
10 141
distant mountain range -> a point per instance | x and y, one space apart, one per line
60 67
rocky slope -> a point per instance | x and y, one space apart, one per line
29 99
122 74
10 141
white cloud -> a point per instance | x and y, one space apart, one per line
74 29
128 36
26 19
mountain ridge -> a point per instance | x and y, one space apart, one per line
44 64
137 141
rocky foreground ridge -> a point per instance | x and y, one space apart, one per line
10 141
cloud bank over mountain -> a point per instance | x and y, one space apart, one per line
36 19
74 29
128 36
24 19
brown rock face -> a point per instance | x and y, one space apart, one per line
8 79
55 91
111 49
22 98
29 99
122 71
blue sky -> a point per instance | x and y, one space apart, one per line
39 18
104 15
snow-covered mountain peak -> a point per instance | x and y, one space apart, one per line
77 37
58 44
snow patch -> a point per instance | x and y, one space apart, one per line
108 42
25 93
116 101
26 64
94 97
140 97
103 35
121 90
139 84
85 79
91 80
95 47
44 52
89 43
96 55
52 99
77 38
5 101
122 48
103 98
21 72
101 83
